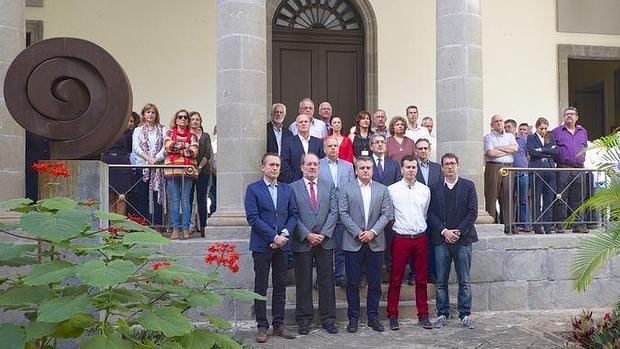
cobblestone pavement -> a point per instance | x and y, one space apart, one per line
528 329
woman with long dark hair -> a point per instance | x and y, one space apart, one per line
203 160
361 136
345 150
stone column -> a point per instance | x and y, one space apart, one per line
459 89
12 136
241 103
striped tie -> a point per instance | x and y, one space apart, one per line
313 199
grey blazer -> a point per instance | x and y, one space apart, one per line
324 218
345 171
351 209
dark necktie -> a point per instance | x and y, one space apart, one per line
379 168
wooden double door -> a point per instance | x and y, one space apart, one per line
322 67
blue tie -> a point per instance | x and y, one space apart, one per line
379 169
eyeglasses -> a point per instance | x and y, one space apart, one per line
451 163
182 116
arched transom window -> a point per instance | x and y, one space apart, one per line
317 14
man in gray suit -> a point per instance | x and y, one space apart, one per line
338 172
365 209
312 239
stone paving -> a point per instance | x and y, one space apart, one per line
525 329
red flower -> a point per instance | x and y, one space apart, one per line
177 282
53 168
223 254
157 265
607 317
138 219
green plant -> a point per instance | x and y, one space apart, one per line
603 333
109 287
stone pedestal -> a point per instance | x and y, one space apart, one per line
459 89
241 103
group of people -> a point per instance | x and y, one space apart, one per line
187 151
509 145
347 204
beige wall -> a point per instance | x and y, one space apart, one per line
166 47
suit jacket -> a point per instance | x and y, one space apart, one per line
323 219
351 210
543 157
344 169
292 150
391 171
466 211
272 142
435 174
268 221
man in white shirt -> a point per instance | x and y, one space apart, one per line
415 131
499 146
410 199
317 126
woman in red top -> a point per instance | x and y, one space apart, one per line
345 151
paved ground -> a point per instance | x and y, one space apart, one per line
531 329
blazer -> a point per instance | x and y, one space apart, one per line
391 171
466 211
435 174
292 150
542 158
323 219
345 173
272 142
351 210
268 221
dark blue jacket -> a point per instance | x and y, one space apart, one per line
542 158
466 211
292 151
435 174
391 171
267 221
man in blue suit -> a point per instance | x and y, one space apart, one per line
339 173
296 146
452 212
271 211
387 172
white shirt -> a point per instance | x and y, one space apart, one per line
451 185
305 143
377 161
366 196
317 128
417 133
158 154
410 207
278 133
493 140
541 139
333 170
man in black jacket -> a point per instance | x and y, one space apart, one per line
276 132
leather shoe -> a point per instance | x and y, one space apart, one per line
330 327
341 282
425 322
410 282
303 329
283 332
376 325
352 326
394 323
261 335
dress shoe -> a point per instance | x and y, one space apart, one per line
394 323
304 328
341 282
283 332
352 326
261 335
410 282
330 327
376 325
538 231
580 229
425 322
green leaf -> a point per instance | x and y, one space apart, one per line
64 225
245 295
14 250
121 295
103 342
99 274
176 272
217 321
169 344
116 250
110 216
12 336
168 320
64 308
74 327
19 295
141 252
144 238
36 330
204 300
15 203
58 203
225 342
19 262
54 271
198 339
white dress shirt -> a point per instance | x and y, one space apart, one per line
317 128
305 143
316 187
493 140
410 207
366 196
377 161
278 133
417 133
451 185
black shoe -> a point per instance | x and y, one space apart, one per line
352 326
538 231
432 279
304 327
376 325
410 282
425 323
394 323
341 282
330 327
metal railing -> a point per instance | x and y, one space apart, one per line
543 198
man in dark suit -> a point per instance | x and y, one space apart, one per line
271 211
296 146
312 240
276 132
365 209
387 172
452 213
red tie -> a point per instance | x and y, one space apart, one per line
313 199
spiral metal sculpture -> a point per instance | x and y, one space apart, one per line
72 92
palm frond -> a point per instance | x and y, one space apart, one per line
597 249
606 199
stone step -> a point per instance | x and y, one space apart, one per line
407 293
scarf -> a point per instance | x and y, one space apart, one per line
154 177
177 146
